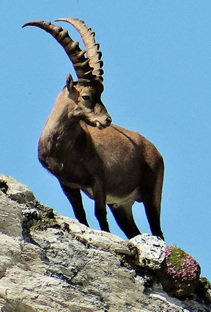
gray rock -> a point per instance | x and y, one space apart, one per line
52 263
16 191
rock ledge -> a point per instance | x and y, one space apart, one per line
53 263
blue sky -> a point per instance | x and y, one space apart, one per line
157 57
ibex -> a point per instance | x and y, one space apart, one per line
78 145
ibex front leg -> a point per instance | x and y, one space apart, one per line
75 199
100 205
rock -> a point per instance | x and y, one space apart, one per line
150 250
204 288
53 263
180 272
16 191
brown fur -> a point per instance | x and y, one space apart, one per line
114 165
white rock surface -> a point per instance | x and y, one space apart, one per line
150 250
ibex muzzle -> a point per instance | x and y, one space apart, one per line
113 166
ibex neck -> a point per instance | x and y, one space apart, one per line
62 127
58 138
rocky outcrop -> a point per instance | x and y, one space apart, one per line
53 263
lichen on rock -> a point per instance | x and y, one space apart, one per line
180 272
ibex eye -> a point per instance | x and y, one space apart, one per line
86 97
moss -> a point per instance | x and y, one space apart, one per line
43 223
203 287
206 283
181 265
180 272
177 257
41 219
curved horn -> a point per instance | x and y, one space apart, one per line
75 54
92 48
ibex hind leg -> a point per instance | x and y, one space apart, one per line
124 218
153 219
74 197
152 199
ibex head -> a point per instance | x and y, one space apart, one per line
84 94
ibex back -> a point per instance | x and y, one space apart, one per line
78 145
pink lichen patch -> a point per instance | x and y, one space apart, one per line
180 265
180 272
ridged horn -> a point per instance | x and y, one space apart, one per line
75 54
92 48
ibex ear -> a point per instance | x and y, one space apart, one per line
69 82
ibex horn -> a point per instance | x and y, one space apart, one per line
92 48
76 55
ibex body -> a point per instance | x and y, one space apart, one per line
78 145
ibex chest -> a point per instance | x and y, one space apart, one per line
69 158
